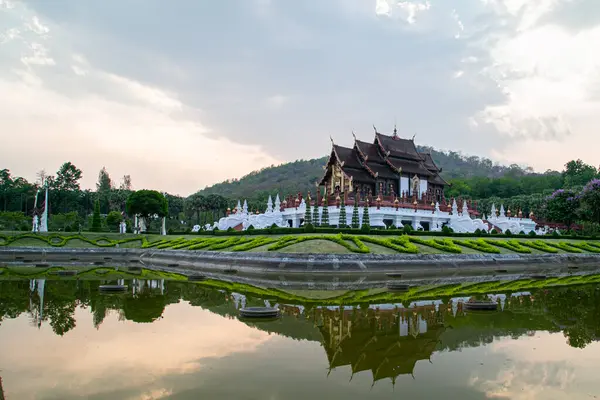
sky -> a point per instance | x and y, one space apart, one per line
188 93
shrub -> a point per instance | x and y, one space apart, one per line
447 230
325 214
522 233
343 219
539 245
400 244
512 245
508 232
477 232
446 245
309 228
532 234
355 220
479 245
494 231
113 219
408 228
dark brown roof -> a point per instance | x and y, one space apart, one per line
438 180
429 163
410 166
348 156
359 175
370 150
399 148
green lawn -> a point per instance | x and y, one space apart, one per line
308 243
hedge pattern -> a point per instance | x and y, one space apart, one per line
512 245
479 245
354 243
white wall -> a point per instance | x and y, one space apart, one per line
404 184
423 187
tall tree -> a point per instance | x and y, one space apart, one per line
578 173
196 203
590 200
67 177
6 186
563 206
126 183
104 188
147 203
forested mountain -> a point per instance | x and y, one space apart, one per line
301 175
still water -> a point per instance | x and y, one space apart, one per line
179 340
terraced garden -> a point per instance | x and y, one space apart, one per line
340 243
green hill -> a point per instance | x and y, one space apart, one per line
301 175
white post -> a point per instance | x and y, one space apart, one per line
163 230
44 221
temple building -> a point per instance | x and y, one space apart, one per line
390 166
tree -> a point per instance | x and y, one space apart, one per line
325 213
147 203
126 183
342 221
113 219
355 220
67 177
590 200
315 216
563 206
578 173
104 188
6 186
96 219
366 223
195 204
307 213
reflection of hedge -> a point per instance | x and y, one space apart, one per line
353 243
91 273
366 296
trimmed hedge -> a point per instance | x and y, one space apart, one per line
446 245
512 245
539 245
383 232
354 243
479 245
400 244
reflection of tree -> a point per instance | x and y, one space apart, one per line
145 307
576 310
14 298
59 305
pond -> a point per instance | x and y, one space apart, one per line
64 339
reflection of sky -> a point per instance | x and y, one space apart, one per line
192 353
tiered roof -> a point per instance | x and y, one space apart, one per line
386 157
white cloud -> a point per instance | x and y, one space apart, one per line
458 74
547 74
407 10
277 101
541 367
97 118
458 21
38 56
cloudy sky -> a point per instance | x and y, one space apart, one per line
186 93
